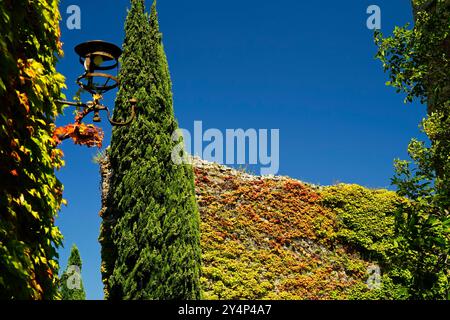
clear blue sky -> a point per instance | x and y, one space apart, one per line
305 67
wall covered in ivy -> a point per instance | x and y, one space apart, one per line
30 194
278 238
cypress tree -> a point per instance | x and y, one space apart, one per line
71 287
150 235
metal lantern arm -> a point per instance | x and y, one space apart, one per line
73 104
133 103
96 107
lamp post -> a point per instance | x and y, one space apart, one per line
98 57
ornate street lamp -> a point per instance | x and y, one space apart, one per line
98 57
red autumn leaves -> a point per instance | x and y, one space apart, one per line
81 134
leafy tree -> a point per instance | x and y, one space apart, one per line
418 62
30 194
71 283
150 233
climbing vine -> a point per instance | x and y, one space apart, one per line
283 239
30 194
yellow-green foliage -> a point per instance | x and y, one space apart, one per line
30 194
282 239
366 218
366 223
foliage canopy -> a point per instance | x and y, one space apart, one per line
418 62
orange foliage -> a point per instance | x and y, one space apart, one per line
270 239
80 133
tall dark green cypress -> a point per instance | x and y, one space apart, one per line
71 287
150 235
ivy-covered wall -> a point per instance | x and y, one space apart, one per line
278 238
30 194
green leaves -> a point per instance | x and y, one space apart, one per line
418 62
30 194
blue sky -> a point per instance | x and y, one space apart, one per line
304 67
